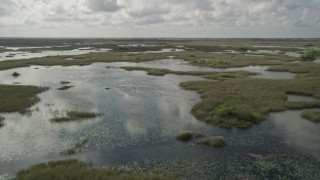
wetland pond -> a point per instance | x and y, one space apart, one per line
142 114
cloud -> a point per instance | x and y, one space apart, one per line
103 5
6 7
209 16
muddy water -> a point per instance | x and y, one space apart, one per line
141 116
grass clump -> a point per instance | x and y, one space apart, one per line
188 135
213 141
63 88
242 103
15 74
311 115
15 98
310 55
74 169
76 148
76 116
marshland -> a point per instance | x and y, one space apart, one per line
160 108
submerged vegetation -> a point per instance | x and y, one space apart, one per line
311 115
74 169
76 116
242 103
18 98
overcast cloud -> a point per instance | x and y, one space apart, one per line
160 18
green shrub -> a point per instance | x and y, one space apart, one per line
310 55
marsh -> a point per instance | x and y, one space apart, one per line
235 115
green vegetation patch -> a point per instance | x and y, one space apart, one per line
311 115
74 169
242 103
310 55
18 98
76 116
188 135
213 141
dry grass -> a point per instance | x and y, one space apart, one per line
74 170
311 115
18 98
242 103
214 141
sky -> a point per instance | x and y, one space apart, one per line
161 18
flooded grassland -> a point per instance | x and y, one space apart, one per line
204 109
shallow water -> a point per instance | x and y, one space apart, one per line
300 98
14 55
142 116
